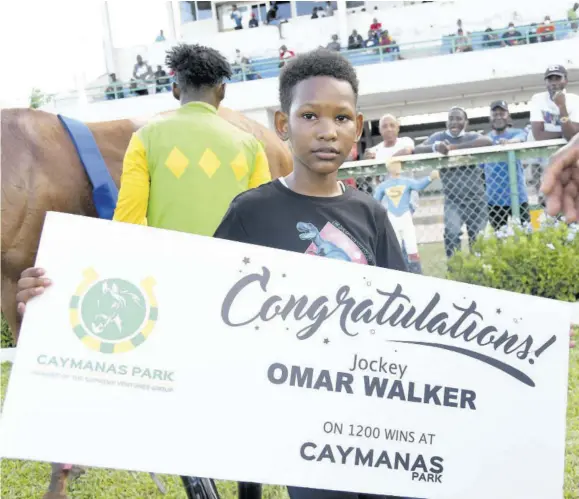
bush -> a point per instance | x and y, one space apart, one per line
543 262
6 335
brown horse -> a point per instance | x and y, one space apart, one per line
41 172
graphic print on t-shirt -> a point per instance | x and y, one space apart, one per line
330 242
551 119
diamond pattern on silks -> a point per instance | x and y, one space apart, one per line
239 166
177 162
209 162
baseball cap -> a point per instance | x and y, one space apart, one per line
500 103
556 69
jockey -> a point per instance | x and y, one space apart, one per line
181 172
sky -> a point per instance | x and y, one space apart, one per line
49 44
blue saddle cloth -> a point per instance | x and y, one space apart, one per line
104 190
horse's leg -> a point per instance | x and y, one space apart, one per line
57 488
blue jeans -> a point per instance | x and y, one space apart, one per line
473 212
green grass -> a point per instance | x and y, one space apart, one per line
433 259
572 454
28 480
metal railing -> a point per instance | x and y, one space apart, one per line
480 189
377 54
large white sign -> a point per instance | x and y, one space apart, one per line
167 352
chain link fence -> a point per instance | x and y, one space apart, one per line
441 205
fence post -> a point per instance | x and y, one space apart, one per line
515 205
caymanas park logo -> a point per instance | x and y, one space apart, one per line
113 315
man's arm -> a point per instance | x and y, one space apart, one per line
407 149
519 137
426 146
135 181
480 141
261 174
539 133
537 123
568 127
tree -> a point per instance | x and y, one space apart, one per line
38 98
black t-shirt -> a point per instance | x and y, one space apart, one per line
351 227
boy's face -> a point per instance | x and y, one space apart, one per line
322 125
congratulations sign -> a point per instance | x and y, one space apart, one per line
167 352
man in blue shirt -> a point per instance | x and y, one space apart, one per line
395 195
463 186
236 16
497 174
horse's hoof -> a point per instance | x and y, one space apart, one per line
54 495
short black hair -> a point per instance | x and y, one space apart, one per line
461 109
197 66
319 62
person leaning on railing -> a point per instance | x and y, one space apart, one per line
497 178
391 144
463 186
555 113
512 36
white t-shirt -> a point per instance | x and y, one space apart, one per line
545 110
383 153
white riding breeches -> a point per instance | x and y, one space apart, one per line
405 231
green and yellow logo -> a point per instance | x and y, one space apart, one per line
113 315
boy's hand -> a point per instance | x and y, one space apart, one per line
31 284
434 175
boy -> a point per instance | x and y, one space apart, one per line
310 211
314 213
395 194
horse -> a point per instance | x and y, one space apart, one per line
41 172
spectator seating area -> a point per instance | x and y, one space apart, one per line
483 40
270 67
411 32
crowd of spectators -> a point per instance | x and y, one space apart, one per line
143 81
478 194
378 39
512 35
